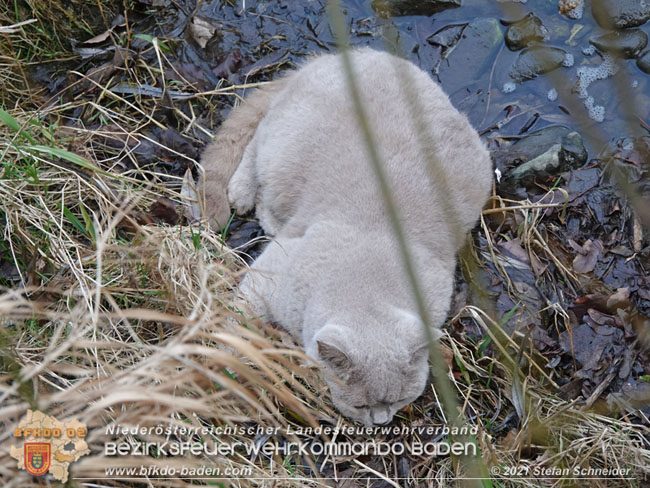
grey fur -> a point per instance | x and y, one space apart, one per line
333 274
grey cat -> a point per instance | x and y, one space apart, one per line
333 275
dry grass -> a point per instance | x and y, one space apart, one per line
114 322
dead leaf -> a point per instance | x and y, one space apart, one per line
586 260
201 31
99 38
9 271
164 210
191 207
620 299
631 396
268 61
621 251
514 247
601 318
637 238
510 441
119 21
229 65
644 293
542 340
106 70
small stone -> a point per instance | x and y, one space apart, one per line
398 8
448 36
537 60
543 165
544 153
620 14
626 44
474 52
529 29
644 62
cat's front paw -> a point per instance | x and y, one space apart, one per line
241 194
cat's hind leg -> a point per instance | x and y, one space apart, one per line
222 156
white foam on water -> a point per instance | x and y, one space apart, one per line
568 60
586 76
552 95
509 87
589 50
596 112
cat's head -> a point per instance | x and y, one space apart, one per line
373 372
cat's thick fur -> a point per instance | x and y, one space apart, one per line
333 274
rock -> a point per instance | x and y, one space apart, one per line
644 62
620 152
398 8
537 60
448 36
544 153
527 30
476 48
620 14
626 44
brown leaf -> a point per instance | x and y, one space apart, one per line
510 441
229 65
99 38
118 22
586 260
201 31
191 206
268 61
514 247
637 235
600 318
620 299
164 210
631 396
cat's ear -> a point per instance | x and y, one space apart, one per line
332 352
333 356
420 351
413 327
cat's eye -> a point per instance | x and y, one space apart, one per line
360 406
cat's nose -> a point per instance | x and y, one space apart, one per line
381 418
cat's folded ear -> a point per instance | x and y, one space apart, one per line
414 329
332 351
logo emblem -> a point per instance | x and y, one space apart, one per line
37 457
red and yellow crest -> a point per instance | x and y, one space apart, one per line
37 457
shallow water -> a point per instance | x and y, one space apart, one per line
473 71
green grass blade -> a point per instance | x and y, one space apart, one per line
68 156
9 121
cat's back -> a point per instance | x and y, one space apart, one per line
316 155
